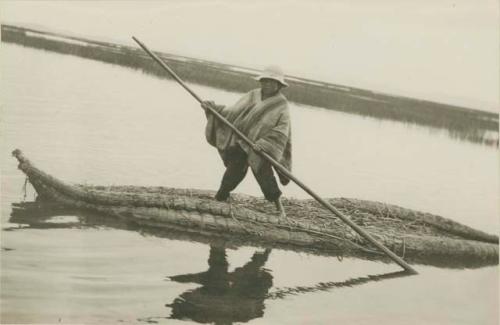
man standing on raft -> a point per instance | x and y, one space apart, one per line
263 116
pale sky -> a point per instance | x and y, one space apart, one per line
446 51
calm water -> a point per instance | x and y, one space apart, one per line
89 122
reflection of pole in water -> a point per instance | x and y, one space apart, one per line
224 297
327 286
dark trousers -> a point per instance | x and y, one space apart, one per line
236 161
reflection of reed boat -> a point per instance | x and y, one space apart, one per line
420 237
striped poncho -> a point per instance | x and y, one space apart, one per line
266 123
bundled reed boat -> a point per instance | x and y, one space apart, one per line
419 237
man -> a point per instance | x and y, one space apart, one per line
263 116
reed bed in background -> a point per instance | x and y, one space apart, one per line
462 123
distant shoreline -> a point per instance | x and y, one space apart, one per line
462 123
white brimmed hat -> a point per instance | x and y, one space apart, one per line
274 73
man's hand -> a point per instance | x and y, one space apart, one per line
257 148
206 104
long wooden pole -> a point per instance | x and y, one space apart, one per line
283 170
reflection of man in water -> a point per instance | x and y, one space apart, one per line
224 297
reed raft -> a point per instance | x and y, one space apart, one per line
419 237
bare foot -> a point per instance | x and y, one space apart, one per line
281 210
